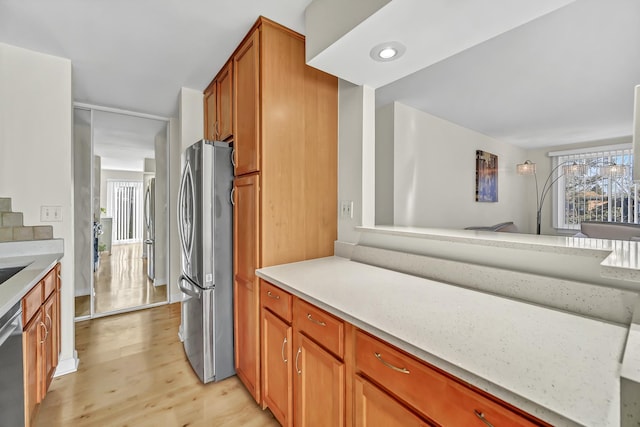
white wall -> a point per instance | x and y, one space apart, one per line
36 159
384 165
191 118
350 126
187 129
434 174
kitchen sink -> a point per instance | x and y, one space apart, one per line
7 273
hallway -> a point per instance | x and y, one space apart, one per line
133 372
121 282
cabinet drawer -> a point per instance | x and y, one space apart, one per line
436 395
276 300
31 302
407 378
49 283
325 329
465 407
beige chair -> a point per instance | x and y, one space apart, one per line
508 227
610 230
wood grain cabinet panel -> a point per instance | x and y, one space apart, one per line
277 374
40 339
211 112
319 390
225 102
409 379
246 105
276 300
325 329
32 336
50 343
375 408
284 117
246 284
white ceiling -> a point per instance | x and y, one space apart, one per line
566 76
432 30
123 141
136 55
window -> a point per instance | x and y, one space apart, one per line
603 191
124 205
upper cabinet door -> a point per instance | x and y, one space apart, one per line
225 102
211 112
246 86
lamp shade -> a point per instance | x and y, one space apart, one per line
575 169
526 168
613 170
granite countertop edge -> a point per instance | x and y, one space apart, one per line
38 262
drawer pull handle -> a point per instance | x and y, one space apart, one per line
482 418
389 365
284 342
298 355
270 295
317 322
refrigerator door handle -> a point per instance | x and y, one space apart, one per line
192 290
186 242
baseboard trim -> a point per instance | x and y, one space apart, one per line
67 366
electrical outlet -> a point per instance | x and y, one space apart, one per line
346 209
50 213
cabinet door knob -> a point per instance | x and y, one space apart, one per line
389 365
317 322
284 342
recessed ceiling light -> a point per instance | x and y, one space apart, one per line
388 51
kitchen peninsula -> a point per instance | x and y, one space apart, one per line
562 350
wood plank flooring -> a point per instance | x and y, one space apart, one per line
133 372
121 282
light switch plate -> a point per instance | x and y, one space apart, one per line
50 213
346 209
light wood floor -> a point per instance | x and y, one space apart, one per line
133 372
121 282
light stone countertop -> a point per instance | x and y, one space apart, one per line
621 259
38 256
560 367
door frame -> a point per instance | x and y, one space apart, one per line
93 108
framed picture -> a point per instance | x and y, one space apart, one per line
486 177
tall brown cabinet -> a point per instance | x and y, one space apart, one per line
285 128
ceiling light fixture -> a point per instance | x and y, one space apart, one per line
388 51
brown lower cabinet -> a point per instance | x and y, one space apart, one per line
337 375
376 408
40 339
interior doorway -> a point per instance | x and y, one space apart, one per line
121 174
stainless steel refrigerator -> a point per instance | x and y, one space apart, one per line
205 228
150 227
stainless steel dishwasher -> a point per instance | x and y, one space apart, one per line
11 376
